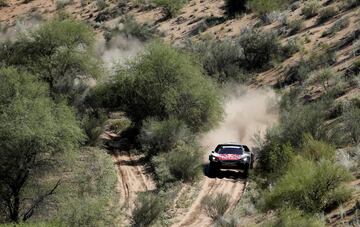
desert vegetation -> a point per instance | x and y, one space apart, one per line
67 120
171 7
42 136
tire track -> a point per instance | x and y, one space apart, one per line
139 172
195 209
132 179
195 216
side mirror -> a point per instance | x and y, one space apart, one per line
212 151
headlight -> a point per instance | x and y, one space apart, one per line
246 159
215 159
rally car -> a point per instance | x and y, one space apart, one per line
231 156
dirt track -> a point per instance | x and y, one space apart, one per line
228 183
134 178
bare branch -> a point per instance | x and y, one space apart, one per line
37 202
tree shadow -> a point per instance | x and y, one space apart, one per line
136 162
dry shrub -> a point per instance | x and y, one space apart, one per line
216 206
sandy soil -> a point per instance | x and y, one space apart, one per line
132 179
195 216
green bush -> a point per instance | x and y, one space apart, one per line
322 56
296 218
101 4
294 6
265 6
185 162
302 119
310 186
296 73
92 123
162 172
326 13
316 150
350 4
311 8
339 25
119 125
356 51
148 208
60 4
295 26
216 206
274 157
162 136
324 77
290 48
87 199
171 7
258 47
350 124
220 59
161 83
132 28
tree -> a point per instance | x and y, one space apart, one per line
34 131
162 83
60 53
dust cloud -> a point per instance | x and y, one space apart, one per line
118 50
247 112
10 33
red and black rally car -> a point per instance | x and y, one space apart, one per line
231 156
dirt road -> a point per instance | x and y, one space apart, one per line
132 178
227 183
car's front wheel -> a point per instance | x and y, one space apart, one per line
213 169
246 170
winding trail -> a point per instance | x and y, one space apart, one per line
132 179
230 185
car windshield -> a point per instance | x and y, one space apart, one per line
230 150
